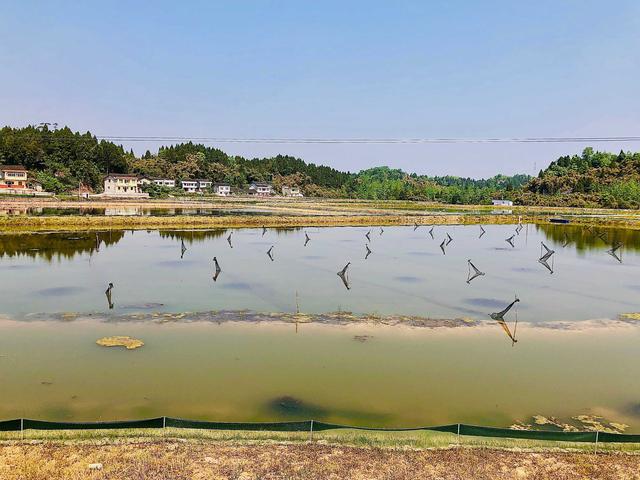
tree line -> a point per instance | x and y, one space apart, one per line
61 159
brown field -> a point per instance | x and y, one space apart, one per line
176 460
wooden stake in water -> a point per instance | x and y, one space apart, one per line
311 432
595 448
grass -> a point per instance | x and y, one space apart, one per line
200 454
417 439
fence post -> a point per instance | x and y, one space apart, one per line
458 434
595 449
311 432
164 426
22 429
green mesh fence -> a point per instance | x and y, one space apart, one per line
10 425
476 431
303 426
315 426
43 425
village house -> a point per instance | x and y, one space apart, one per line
502 203
260 189
291 191
204 184
122 185
197 185
165 182
190 186
222 189
13 177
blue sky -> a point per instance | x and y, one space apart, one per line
332 69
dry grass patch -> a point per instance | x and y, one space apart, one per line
213 460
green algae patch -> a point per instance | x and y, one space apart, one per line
120 341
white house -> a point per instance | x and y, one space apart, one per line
189 185
222 189
204 184
122 184
260 188
502 203
164 182
291 191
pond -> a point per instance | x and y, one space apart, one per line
567 354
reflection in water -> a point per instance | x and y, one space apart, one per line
306 238
269 253
431 233
505 327
499 317
229 241
613 252
473 272
449 239
368 235
218 269
583 282
544 262
544 258
586 238
50 245
191 236
482 231
343 276
183 248
518 229
129 211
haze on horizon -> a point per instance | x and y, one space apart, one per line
332 70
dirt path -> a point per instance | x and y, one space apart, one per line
205 460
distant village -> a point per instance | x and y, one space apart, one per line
14 179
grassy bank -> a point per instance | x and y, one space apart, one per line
79 222
278 212
345 454
82 222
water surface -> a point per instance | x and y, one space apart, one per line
364 374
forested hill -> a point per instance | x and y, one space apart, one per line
61 159
590 179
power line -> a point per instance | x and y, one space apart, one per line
125 138
353 141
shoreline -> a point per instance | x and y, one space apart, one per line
329 319
242 212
